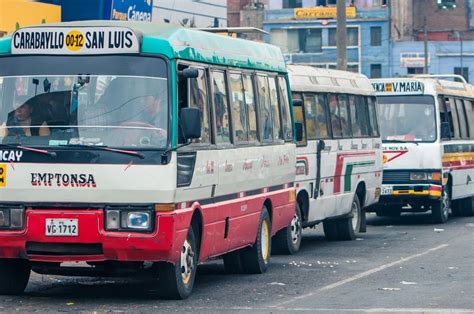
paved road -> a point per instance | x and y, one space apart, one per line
401 265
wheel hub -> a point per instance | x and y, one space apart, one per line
295 229
187 261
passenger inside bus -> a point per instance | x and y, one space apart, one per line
23 122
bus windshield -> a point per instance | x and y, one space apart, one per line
117 110
407 118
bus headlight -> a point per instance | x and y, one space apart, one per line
11 218
418 176
128 219
425 176
136 220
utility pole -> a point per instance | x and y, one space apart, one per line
341 35
425 70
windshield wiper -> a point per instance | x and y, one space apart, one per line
31 149
106 148
399 141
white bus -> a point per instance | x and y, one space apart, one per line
427 126
339 159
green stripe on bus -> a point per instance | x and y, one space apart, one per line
348 173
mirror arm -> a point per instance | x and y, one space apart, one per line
176 148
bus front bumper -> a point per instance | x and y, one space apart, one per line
408 193
93 243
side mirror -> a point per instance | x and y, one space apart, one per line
445 130
189 73
321 145
299 131
297 102
190 121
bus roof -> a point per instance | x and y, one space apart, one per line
189 44
305 78
425 85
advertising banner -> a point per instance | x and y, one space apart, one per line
131 10
322 13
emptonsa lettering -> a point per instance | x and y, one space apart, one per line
81 180
80 40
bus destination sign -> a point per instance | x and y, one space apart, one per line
77 40
398 87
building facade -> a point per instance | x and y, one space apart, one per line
306 32
191 13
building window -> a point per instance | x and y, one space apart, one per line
414 70
376 36
297 40
352 37
464 72
310 40
375 71
290 4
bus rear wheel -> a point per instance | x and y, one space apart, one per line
177 281
440 209
14 276
344 229
255 259
288 240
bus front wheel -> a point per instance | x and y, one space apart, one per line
440 209
288 240
14 276
177 281
255 259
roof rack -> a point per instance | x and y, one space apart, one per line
459 77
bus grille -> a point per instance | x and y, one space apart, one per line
395 177
58 249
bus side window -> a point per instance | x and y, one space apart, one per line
362 113
355 119
344 116
462 119
274 104
285 110
199 99
335 122
249 96
299 118
453 117
469 106
221 110
374 127
266 124
239 112
309 113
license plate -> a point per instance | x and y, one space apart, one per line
62 227
387 190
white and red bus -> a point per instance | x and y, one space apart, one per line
139 148
427 125
339 159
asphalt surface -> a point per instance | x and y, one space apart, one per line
405 265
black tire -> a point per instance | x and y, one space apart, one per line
457 208
233 263
440 209
14 276
255 259
288 240
347 227
330 230
173 284
468 206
